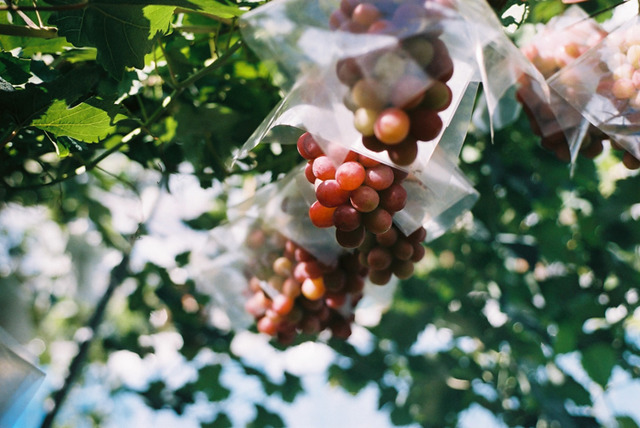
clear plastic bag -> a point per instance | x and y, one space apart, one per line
19 379
562 128
603 84
322 96
250 263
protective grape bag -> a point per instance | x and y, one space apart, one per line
19 379
558 43
322 63
603 84
249 265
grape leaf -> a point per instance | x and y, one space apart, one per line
123 33
84 122
598 361
13 69
212 8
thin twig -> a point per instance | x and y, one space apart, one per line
27 31
118 274
57 8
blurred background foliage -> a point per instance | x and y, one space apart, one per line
546 265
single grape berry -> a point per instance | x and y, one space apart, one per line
346 218
394 198
320 215
330 194
324 168
350 175
392 126
365 199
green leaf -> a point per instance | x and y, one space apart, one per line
212 8
13 69
626 422
221 421
598 360
209 383
123 33
84 122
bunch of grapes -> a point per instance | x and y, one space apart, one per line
392 253
359 199
396 94
622 83
550 52
360 195
292 292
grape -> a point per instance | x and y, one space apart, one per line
438 97
282 304
313 288
418 253
335 301
355 284
340 328
408 92
373 144
419 235
381 27
623 89
268 326
346 218
364 120
399 175
379 258
282 266
379 177
405 153
330 194
403 249
403 269
348 71
351 239
369 93
365 199
442 68
308 172
377 221
365 14
388 238
302 255
367 162
394 198
310 324
425 124
350 175
420 49
320 215
324 168
347 6
291 288
392 126
308 147
380 277
335 280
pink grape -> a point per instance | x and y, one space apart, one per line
394 198
324 168
379 177
320 215
350 175
308 147
330 194
378 220
365 199
346 218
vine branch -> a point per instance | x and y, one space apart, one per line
62 7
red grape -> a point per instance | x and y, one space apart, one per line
394 198
330 194
379 177
324 168
320 215
351 239
365 199
377 221
425 124
346 218
350 175
379 258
